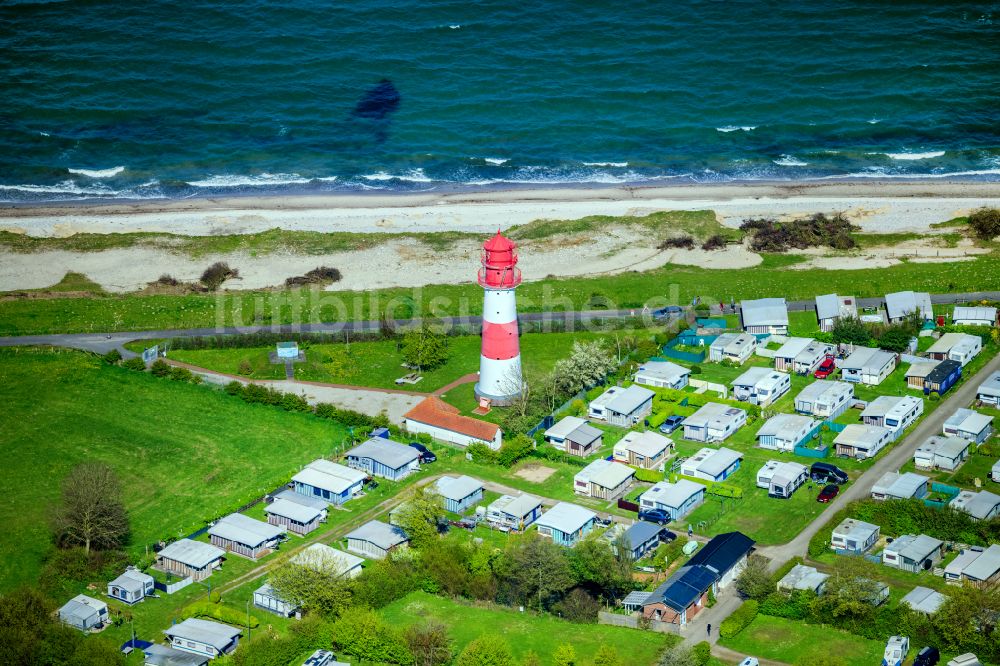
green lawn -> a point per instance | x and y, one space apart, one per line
625 290
795 642
378 363
527 631
184 453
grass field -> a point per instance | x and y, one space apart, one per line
183 452
627 290
794 642
526 632
378 363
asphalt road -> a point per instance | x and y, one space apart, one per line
103 342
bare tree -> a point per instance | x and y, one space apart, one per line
516 386
92 513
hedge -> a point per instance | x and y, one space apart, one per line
739 620
648 475
221 613
725 490
656 420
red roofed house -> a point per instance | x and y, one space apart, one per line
442 421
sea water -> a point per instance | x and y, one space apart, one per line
170 99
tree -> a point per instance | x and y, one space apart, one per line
424 349
755 580
605 569
588 364
487 650
565 655
607 656
985 223
969 619
429 643
539 572
446 562
513 383
313 580
578 606
92 513
362 633
851 331
421 516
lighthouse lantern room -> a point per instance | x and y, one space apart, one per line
500 359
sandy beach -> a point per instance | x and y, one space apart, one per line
875 207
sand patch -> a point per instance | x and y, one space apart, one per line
922 250
535 473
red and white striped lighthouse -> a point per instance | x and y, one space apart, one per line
500 360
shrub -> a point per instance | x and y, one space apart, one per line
181 374
683 242
319 275
135 363
578 606
934 397
215 597
716 242
769 235
701 653
515 449
245 368
160 368
695 369
113 357
739 619
166 280
481 453
216 274
985 223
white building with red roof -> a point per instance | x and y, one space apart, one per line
444 422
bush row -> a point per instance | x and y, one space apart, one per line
739 620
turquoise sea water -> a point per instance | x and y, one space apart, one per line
202 98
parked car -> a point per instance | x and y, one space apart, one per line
828 493
672 423
666 536
669 312
426 456
750 661
826 368
658 516
823 472
928 656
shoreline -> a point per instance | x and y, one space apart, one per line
917 188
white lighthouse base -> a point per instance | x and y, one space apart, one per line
499 380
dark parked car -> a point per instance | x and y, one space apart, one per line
927 656
672 423
828 493
822 472
666 536
826 368
426 456
658 516
669 312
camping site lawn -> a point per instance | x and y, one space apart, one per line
184 453
795 642
527 631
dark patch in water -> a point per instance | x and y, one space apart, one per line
378 102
